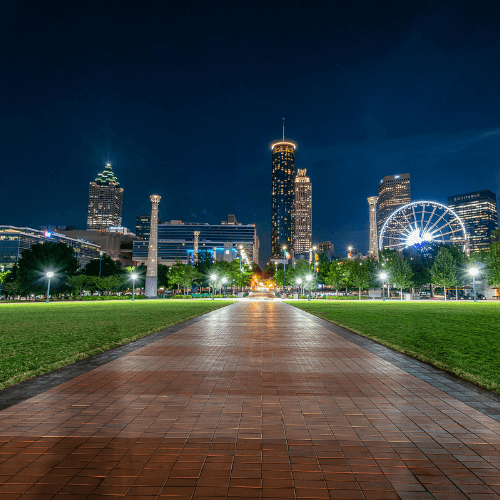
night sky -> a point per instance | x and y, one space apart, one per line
184 99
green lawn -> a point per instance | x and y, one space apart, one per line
462 338
37 338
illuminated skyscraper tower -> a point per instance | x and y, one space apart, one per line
283 196
478 212
302 240
105 201
393 192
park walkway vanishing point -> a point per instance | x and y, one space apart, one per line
255 400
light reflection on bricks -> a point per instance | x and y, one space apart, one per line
254 401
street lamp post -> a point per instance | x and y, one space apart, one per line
308 279
134 277
383 277
474 271
100 262
214 279
350 252
224 281
284 269
299 282
49 275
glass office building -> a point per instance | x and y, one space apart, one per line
143 226
105 201
13 240
393 192
478 211
283 197
303 212
222 242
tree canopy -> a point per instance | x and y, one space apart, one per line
35 262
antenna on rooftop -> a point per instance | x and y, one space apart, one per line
283 130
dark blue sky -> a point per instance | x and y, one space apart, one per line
185 101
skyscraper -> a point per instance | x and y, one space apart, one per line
142 226
393 192
478 212
302 240
283 198
105 201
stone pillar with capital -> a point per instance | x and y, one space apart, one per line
196 246
373 249
152 264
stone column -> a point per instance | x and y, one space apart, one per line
152 269
195 248
373 251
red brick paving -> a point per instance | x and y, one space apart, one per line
256 401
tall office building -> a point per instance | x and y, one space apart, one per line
283 197
184 241
327 248
478 211
302 240
105 201
393 192
142 226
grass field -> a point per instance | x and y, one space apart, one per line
462 338
38 338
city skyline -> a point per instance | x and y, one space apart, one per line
392 89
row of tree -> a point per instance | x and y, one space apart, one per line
104 276
444 266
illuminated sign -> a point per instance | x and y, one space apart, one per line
397 176
467 197
47 234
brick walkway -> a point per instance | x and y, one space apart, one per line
257 400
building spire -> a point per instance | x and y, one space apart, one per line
283 130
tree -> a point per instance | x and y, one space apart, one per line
400 273
109 267
183 275
444 269
4 275
492 265
287 275
77 283
110 283
338 275
361 274
36 261
461 263
323 266
163 275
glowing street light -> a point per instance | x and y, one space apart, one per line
308 279
133 277
49 275
474 271
383 277
213 278
350 252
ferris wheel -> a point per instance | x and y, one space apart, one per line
420 223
